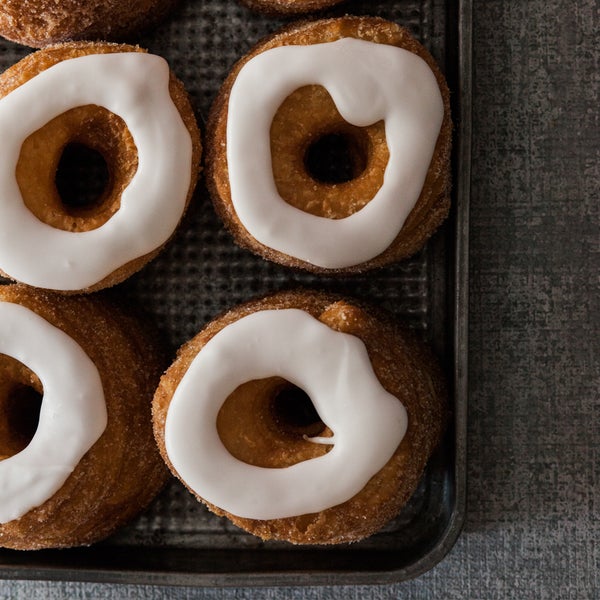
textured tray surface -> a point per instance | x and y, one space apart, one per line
202 273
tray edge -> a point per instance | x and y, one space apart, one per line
460 393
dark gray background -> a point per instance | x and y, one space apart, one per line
533 522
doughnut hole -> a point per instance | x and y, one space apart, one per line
322 164
81 177
294 412
73 170
265 422
337 157
20 402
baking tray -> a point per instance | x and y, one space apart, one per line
201 273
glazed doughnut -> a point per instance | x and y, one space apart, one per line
395 124
289 7
122 103
90 464
38 23
301 417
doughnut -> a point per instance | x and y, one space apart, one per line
289 7
121 103
77 453
301 417
361 87
38 23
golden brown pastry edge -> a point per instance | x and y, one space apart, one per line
433 205
395 353
34 63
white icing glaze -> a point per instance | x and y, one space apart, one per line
134 86
333 368
72 416
368 82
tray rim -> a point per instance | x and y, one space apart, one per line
460 315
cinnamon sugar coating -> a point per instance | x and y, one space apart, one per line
307 115
38 23
254 433
122 471
289 7
96 128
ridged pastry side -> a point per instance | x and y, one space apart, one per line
122 472
403 365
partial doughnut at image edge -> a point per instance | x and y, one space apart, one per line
289 7
40 23
78 457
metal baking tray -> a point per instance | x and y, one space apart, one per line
201 273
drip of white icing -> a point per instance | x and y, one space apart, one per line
368 82
72 416
335 371
134 86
